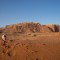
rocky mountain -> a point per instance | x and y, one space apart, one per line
30 27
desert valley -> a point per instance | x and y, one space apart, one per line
30 41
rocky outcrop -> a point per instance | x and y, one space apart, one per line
45 29
54 28
30 27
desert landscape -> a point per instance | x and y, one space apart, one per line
30 41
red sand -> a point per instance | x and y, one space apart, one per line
30 46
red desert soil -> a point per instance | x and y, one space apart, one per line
30 42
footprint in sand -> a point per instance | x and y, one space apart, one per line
41 58
36 59
11 53
44 44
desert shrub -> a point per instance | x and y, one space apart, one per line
11 40
29 34
34 35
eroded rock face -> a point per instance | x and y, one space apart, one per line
59 28
24 27
54 28
30 27
51 27
45 29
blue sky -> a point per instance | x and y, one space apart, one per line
42 11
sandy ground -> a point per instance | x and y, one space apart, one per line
34 46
